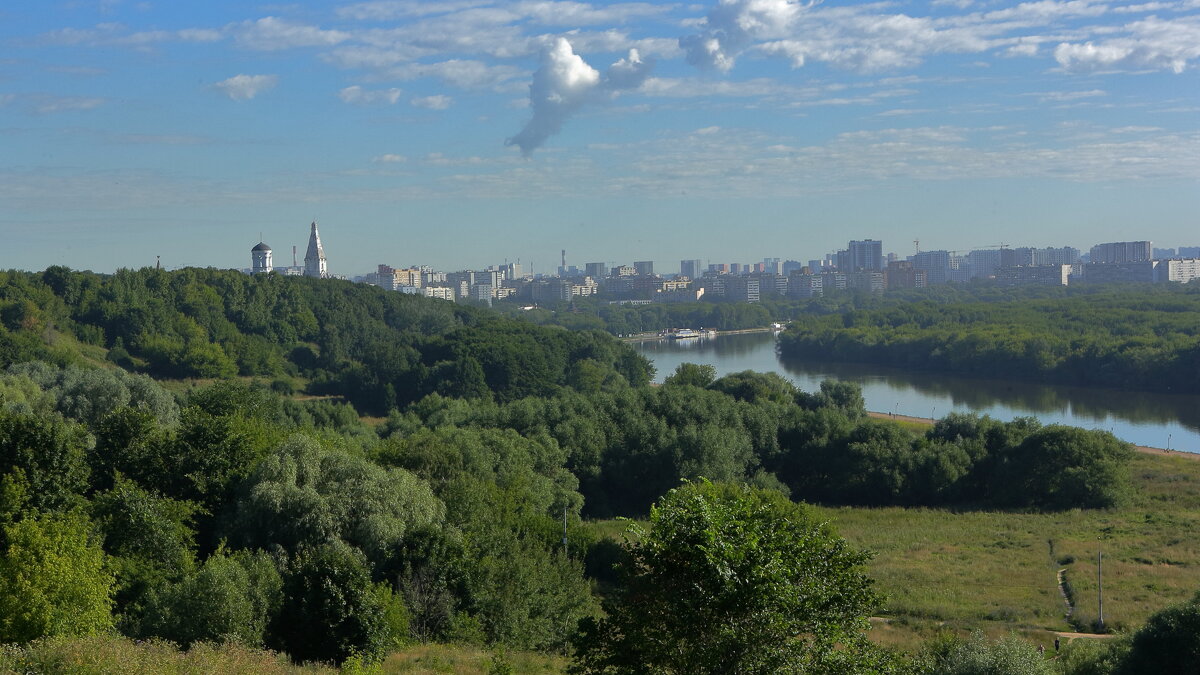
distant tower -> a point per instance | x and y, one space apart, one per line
260 259
314 260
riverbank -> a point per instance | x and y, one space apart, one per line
646 337
926 421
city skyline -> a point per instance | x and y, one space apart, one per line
463 133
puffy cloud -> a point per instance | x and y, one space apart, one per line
389 159
564 83
246 87
735 24
356 95
435 102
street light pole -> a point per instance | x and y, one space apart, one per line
1100 581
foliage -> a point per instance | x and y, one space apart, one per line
331 610
1169 643
1148 338
378 349
49 452
232 598
980 656
302 497
149 537
730 579
53 580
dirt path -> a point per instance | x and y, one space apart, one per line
1140 448
1087 636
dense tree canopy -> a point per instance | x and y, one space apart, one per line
1139 337
726 579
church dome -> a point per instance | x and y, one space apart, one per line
261 247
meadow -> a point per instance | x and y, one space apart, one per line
998 571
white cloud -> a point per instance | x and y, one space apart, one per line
387 10
356 95
564 83
435 102
1064 96
1151 43
272 33
246 87
116 34
463 73
565 13
389 159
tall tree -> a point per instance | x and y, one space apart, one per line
730 579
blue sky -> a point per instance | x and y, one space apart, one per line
465 132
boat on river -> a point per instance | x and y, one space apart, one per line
687 334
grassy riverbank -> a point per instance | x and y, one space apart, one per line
998 571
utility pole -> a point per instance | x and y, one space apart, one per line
1100 581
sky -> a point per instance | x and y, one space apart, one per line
465 133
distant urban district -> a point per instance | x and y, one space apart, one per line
862 265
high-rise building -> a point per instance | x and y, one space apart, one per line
864 255
936 265
260 259
594 270
314 260
644 268
691 269
1121 252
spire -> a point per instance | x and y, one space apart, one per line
314 260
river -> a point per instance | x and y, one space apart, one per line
1142 418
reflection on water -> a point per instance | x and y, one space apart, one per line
1144 418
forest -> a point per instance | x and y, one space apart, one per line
333 472
1144 337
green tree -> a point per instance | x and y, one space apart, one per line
302 496
53 580
50 451
697 375
1168 644
332 611
729 579
232 598
1060 467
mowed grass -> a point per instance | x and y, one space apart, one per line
997 571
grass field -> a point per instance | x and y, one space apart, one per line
998 571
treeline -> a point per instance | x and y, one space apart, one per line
628 447
591 314
1137 338
719 314
380 350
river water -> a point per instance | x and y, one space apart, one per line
1142 418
